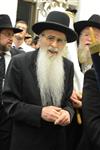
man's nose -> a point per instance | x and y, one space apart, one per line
54 43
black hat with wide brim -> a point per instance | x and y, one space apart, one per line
5 23
93 21
56 21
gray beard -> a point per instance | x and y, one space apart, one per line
84 55
50 76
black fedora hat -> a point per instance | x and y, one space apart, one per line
57 21
5 23
93 21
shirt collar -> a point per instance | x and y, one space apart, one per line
8 53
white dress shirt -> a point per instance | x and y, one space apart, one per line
24 47
7 59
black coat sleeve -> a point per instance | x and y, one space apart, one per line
15 104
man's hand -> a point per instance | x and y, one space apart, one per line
56 115
63 119
50 113
76 99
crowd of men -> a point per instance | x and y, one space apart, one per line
39 107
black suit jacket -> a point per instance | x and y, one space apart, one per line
15 51
91 112
5 121
23 103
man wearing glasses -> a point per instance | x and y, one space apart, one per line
38 89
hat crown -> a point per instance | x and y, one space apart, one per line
93 21
59 21
5 21
95 18
58 17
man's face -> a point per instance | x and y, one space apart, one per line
28 41
6 37
53 42
21 35
84 42
85 36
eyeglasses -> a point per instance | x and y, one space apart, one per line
52 38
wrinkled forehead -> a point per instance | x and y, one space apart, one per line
54 33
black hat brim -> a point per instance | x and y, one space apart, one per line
15 30
41 26
79 26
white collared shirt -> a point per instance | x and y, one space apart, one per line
24 47
7 59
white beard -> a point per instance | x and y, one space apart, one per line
50 76
84 55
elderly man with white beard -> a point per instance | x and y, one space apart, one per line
38 88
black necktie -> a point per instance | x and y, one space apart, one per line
2 72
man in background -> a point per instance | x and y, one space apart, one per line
28 39
19 38
35 42
82 28
91 93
